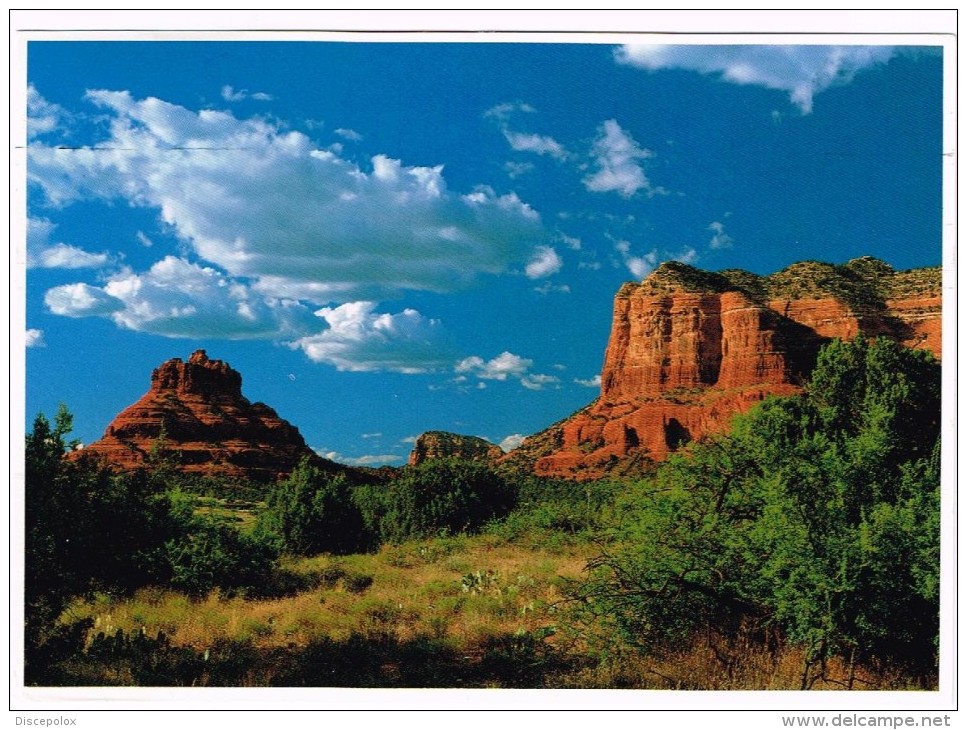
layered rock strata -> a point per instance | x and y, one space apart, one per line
691 349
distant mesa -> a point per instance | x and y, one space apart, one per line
196 413
434 445
689 349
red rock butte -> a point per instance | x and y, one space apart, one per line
196 412
690 349
434 445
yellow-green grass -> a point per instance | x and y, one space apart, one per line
463 590
457 611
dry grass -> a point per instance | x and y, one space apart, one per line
451 612
464 590
706 665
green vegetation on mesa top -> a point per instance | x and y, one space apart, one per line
863 283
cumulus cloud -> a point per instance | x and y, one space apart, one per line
616 157
524 141
720 239
176 298
361 339
594 382
43 252
264 203
34 338
544 262
231 94
537 381
801 71
503 367
43 117
537 143
81 300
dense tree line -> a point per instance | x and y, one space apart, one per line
312 511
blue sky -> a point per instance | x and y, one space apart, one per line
389 238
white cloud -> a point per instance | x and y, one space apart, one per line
571 242
365 460
34 338
544 262
802 71
505 365
350 134
43 253
63 256
231 94
360 339
511 442
616 156
594 382
81 300
295 220
720 239
43 117
537 381
639 266
176 298
524 141
536 143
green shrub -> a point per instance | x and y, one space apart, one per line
86 529
817 516
313 512
210 554
446 496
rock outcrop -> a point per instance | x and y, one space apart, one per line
196 413
690 349
443 445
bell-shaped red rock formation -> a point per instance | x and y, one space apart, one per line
196 413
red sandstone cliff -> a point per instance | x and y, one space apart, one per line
690 349
209 427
